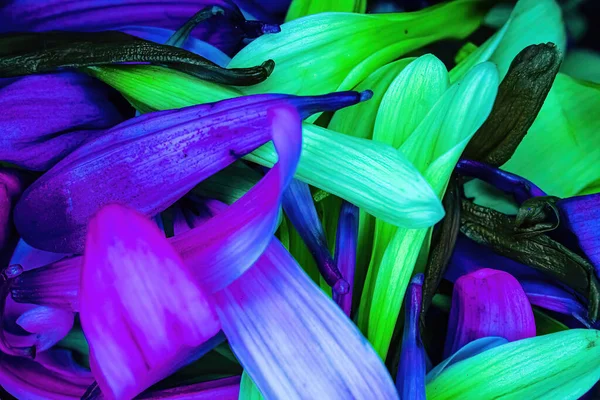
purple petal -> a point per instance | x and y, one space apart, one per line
50 325
12 183
28 379
149 162
293 340
581 214
520 187
141 313
225 32
554 298
467 351
30 258
300 208
410 380
345 252
61 361
45 117
221 389
488 303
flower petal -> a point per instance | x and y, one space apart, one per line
410 380
302 8
47 325
221 389
140 311
554 298
345 252
185 145
488 303
46 117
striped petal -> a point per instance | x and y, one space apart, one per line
149 162
141 313
488 303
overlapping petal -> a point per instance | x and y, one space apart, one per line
345 253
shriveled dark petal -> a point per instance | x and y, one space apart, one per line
410 380
581 214
488 303
346 241
226 32
300 209
520 187
149 162
46 117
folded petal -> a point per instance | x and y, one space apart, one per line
46 117
345 253
141 312
294 341
555 298
148 163
488 303
300 208
226 31
410 380
48 325
526 369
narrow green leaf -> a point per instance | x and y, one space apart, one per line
302 8
558 366
520 97
336 51
31 53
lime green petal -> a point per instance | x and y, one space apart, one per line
531 22
435 146
368 174
582 64
561 152
359 121
335 51
558 366
302 8
229 184
248 390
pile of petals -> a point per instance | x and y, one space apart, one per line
305 199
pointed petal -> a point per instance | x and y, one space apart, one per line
410 380
526 369
488 303
345 252
248 389
140 325
46 117
185 145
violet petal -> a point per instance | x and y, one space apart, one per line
488 302
346 241
554 298
410 380
45 117
48 325
141 313
149 162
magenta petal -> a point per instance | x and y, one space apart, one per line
293 340
149 162
221 389
12 183
488 303
224 247
141 313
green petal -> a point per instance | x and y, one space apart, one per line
558 366
335 51
434 147
248 390
582 64
302 8
371 175
561 152
531 22
545 324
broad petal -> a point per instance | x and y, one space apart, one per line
45 117
488 303
293 340
140 311
185 146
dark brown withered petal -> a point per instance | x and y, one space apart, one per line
520 97
498 231
31 53
442 244
537 215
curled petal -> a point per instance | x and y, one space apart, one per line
555 298
140 311
47 325
345 252
488 303
149 162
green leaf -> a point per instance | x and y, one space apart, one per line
531 22
561 152
335 51
558 366
434 147
302 8
248 390
31 53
